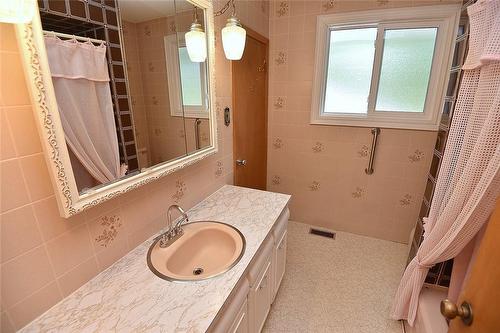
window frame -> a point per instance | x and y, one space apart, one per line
444 17
177 108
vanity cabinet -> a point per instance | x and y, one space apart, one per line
261 296
261 288
247 309
234 316
240 324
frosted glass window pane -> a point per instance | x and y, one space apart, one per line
406 68
350 63
190 80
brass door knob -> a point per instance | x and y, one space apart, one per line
450 311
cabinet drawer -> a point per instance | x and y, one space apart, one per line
281 224
260 261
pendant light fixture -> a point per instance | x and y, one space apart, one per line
233 35
196 42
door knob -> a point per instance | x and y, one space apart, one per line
241 162
450 310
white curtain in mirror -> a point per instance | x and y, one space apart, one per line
81 83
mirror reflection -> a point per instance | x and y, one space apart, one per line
193 76
130 95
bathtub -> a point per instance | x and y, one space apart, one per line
429 318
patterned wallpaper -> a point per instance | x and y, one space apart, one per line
323 166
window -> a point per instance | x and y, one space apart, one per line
384 68
187 85
191 77
350 64
406 69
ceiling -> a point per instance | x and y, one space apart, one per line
144 10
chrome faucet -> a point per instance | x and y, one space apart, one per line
174 230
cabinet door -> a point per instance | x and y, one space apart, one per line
262 298
240 324
280 262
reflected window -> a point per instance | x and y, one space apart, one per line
187 81
191 80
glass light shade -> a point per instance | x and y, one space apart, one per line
196 43
233 39
17 11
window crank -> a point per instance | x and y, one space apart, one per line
241 162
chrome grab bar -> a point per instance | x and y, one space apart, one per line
375 133
197 123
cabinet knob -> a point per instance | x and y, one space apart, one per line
263 284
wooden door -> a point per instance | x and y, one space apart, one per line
482 290
250 113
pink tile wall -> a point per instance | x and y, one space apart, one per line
163 136
323 166
136 93
166 133
45 257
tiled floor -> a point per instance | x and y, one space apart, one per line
343 285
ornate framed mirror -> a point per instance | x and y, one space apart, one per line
119 99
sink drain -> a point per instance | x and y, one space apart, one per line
197 271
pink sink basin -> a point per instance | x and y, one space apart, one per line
206 249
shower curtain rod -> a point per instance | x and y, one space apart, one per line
80 38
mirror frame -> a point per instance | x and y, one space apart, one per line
39 81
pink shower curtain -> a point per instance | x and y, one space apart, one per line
81 83
469 179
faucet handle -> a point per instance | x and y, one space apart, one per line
178 231
184 218
170 236
169 214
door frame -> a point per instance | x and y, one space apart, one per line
255 35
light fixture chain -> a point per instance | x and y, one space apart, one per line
195 14
228 4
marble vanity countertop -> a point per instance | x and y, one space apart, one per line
129 297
